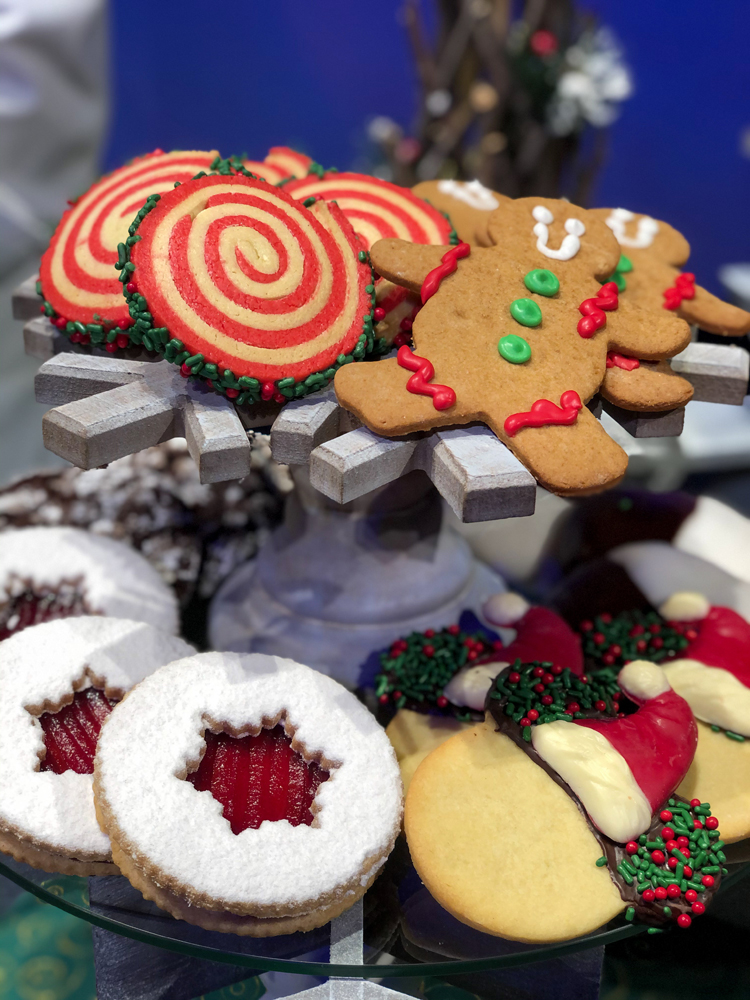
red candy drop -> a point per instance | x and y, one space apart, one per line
70 735
668 834
711 823
442 701
698 908
660 892
258 778
708 881
648 895
631 847
684 920
532 714
691 895
658 857
682 842
673 891
514 677
378 314
687 871
694 803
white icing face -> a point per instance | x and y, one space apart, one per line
642 680
472 193
469 687
645 232
505 608
571 243
685 606
714 695
598 774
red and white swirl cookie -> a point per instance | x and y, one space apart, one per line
241 284
49 573
378 210
247 793
280 164
78 281
58 682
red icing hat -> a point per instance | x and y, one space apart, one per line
543 635
723 641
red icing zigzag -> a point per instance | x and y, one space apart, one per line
683 288
622 361
450 262
723 641
658 742
544 412
442 395
591 309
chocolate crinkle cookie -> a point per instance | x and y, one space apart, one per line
194 534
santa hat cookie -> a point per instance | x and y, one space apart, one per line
556 755
377 210
48 573
239 284
58 682
78 281
247 793
438 680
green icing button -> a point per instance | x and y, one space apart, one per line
514 349
618 279
526 312
542 282
624 264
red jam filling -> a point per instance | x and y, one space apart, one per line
30 607
70 735
258 778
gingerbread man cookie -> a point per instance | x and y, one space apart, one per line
469 205
438 680
653 253
558 812
516 336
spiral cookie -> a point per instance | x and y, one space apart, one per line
247 793
240 284
58 682
378 209
49 573
78 282
280 164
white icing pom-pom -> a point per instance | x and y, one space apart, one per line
642 680
468 688
685 606
505 609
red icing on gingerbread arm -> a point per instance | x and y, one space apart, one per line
543 635
442 395
723 641
628 364
449 264
544 412
658 741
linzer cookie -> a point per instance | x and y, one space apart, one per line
379 210
77 281
516 336
559 812
247 793
240 285
468 204
438 680
48 573
653 253
58 682
705 653
281 164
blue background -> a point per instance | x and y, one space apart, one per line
245 76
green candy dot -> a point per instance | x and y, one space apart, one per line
514 349
624 264
542 282
526 312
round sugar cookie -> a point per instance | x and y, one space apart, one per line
58 682
247 786
378 210
720 774
48 573
477 820
413 735
77 276
236 282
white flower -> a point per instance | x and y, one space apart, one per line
591 86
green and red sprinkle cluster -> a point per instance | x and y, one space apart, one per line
613 641
535 693
416 669
100 333
680 863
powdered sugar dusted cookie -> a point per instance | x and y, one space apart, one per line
48 573
248 793
558 812
58 682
